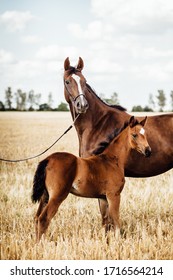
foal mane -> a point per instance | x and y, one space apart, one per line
104 144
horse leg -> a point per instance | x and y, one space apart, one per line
44 219
103 205
43 203
114 204
49 212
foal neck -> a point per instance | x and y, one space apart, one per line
120 146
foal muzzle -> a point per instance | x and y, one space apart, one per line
147 152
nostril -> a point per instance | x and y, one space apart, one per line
148 152
78 104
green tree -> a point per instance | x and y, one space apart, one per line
63 107
8 98
2 107
21 100
147 109
50 100
161 100
112 100
37 99
44 107
151 101
31 100
137 108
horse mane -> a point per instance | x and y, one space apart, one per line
74 70
104 144
119 107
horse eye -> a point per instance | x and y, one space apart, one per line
134 135
67 82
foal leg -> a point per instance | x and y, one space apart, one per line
103 205
43 202
44 219
114 204
48 213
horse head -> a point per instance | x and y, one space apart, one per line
74 86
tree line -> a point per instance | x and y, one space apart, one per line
31 101
155 103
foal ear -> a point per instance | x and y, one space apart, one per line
66 64
80 64
132 121
143 122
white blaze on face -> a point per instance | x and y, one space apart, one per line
142 131
77 79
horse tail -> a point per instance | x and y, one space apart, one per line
39 181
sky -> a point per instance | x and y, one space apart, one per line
126 46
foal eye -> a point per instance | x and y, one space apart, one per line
67 82
134 135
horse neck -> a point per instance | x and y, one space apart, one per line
95 103
120 147
97 111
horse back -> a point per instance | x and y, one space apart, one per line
63 162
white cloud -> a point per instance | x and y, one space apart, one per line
154 16
95 30
6 57
127 46
153 52
29 68
150 72
76 30
31 39
104 66
56 52
129 38
92 32
15 20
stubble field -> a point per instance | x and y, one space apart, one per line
75 232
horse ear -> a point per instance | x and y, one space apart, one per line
143 122
132 121
66 64
80 64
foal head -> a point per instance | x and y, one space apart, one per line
74 86
137 137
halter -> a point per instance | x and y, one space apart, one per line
74 100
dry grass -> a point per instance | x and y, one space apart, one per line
75 232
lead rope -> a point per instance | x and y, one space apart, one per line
35 156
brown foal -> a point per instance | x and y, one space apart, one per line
93 177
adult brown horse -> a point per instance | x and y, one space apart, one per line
63 173
97 119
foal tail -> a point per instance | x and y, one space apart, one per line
39 181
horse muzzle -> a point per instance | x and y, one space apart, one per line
81 104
